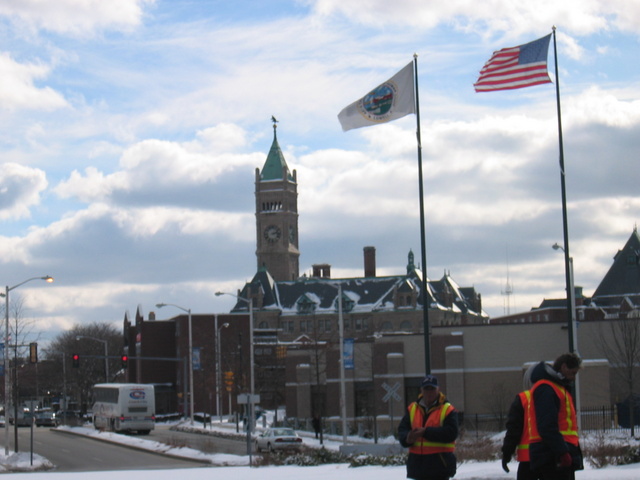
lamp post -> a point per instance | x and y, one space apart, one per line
188 311
249 302
573 339
218 366
7 384
343 392
573 332
106 354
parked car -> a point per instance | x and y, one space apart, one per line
25 417
70 418
45 419
274 439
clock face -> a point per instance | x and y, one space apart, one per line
272 234
292 234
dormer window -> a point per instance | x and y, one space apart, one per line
305 305
347 304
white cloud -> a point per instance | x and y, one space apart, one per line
17 89
153 167
20 189
76 17
492 17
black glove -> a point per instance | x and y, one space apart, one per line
505 462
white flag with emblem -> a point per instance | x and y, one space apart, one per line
389 101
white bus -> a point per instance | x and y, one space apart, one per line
124 407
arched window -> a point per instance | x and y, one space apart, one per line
386 326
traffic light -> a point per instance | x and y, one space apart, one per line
228 381
75 360
33 352
124 360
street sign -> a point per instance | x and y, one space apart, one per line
245 398
391 392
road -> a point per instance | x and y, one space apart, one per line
72 453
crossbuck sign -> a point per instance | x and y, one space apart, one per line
392 392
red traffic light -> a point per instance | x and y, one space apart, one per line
124 359
75 359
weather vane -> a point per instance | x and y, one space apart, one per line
274 120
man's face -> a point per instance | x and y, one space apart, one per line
430 394
569 373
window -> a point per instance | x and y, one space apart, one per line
405 326
305 305
347 304
362 324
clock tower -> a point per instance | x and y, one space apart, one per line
277 216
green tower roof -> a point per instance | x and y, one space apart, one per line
275 164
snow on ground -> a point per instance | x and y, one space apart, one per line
467 471
238 466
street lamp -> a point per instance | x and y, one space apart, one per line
188 311
7 384
218 366
573 339
106 354
252 368
343 393
573 333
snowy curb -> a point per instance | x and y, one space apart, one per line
142 445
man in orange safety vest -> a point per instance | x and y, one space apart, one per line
429 429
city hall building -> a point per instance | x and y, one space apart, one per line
299 323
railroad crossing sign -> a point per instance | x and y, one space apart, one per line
392 392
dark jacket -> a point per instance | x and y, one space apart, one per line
546 454
437 465
515 417
515 425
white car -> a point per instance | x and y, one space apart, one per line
274 439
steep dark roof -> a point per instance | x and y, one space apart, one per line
623 278
275 167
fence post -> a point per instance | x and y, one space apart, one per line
477 427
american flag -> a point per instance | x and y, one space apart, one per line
516 67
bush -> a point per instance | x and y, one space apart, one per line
481 449
600 453
311 457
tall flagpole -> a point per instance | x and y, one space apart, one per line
565 228
423 243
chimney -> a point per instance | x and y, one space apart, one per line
369 262
321 270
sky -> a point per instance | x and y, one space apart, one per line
130 131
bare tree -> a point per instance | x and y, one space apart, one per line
21 333
86 342
620 343
498 403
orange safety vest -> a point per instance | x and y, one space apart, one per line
435 418
567 420
522 451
